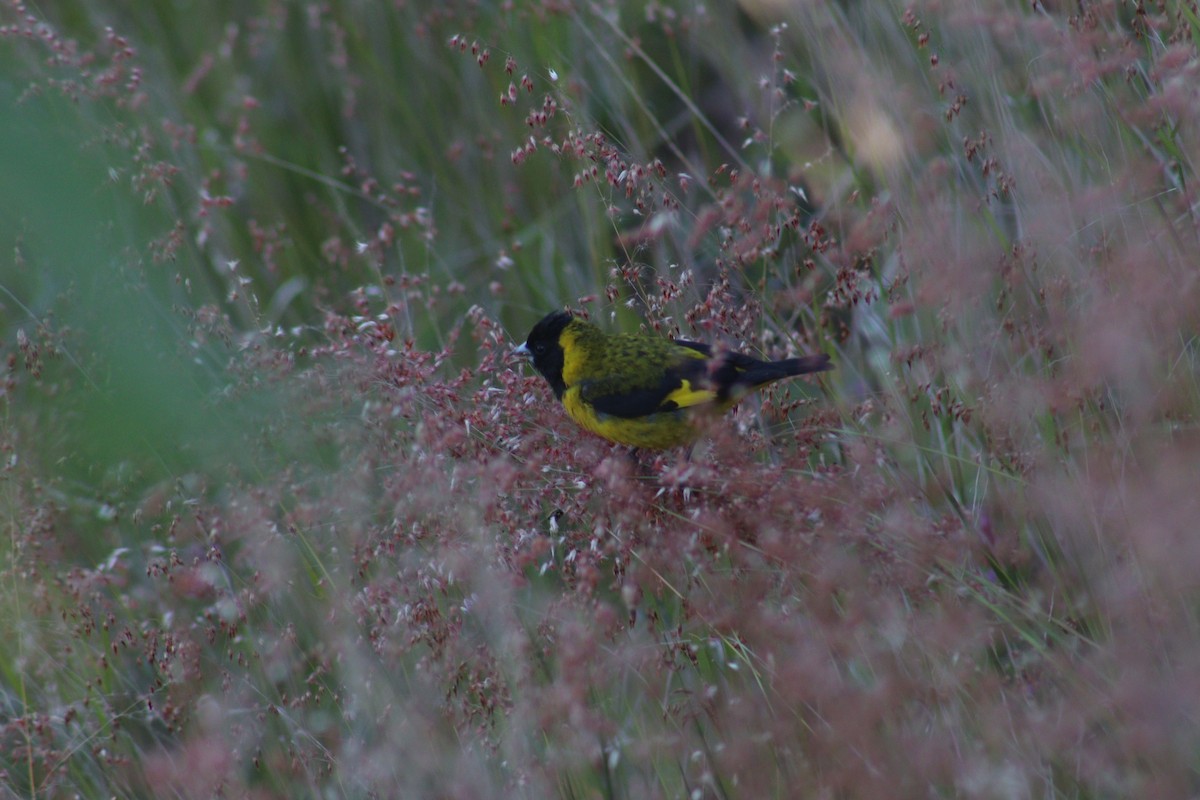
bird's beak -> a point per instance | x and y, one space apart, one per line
523 352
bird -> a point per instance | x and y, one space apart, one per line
643 390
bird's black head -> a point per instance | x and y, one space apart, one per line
546 351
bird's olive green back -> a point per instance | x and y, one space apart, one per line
637 359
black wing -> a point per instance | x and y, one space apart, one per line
615 397
728 371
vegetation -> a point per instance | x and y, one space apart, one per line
282 517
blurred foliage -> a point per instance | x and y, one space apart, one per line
281 517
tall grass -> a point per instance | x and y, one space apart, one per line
283 518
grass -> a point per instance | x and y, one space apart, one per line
283 518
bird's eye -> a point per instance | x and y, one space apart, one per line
539 348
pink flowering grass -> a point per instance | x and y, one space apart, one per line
284 517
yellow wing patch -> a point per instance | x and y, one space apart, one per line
686 395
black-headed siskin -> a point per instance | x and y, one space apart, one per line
643 390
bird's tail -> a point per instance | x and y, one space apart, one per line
735 374
761 372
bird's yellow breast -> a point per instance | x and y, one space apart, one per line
575 356
657 431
